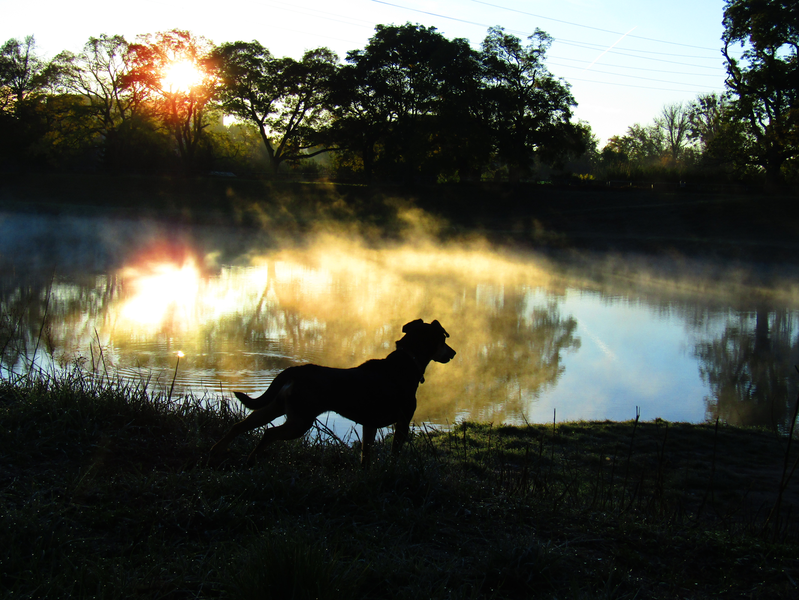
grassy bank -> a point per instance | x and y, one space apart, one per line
105 494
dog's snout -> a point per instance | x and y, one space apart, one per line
444 354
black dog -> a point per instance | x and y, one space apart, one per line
376 394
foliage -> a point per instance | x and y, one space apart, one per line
529 109
706 118
395 95
115 106
286 100
411 106
674 124
23 73
180 108
765 80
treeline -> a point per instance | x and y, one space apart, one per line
412 106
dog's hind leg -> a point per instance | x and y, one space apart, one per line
255 419
367 442
293 428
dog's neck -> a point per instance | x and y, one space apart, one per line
419 366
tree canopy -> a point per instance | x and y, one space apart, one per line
765 79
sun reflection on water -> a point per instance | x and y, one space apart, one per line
161 291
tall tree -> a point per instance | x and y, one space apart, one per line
531 109
99 74
304 113
391 95
22 72
765 79
674 122
706 118
287 100
642 144
174 68
26 81
114 103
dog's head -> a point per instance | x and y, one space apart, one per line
427 341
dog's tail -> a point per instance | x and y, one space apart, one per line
269 395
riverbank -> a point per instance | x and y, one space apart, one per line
105 493
730 226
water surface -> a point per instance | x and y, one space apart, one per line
218 309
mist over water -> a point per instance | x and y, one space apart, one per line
537 338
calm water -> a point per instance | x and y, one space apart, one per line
536 340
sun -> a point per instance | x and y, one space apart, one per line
181 76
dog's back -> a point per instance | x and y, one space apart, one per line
370 394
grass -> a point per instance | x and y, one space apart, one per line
105 494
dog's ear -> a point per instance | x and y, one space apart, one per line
412 325
438 326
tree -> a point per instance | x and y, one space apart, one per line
304 113
114 103
25 83
674 123
530 109
394 96
287 100
22 73
642 144
706 118
765 80
175 70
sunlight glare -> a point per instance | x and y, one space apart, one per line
181 76
163 290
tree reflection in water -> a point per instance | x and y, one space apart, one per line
242 318
749 366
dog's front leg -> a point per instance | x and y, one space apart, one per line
400 435
367 442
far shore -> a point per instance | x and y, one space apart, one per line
726 225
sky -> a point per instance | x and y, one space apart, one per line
625 59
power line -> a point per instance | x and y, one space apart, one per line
647 69
573 42
636 77
623 53
589 26
628 85
601 46
432 14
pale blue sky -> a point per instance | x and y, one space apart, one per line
669 52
